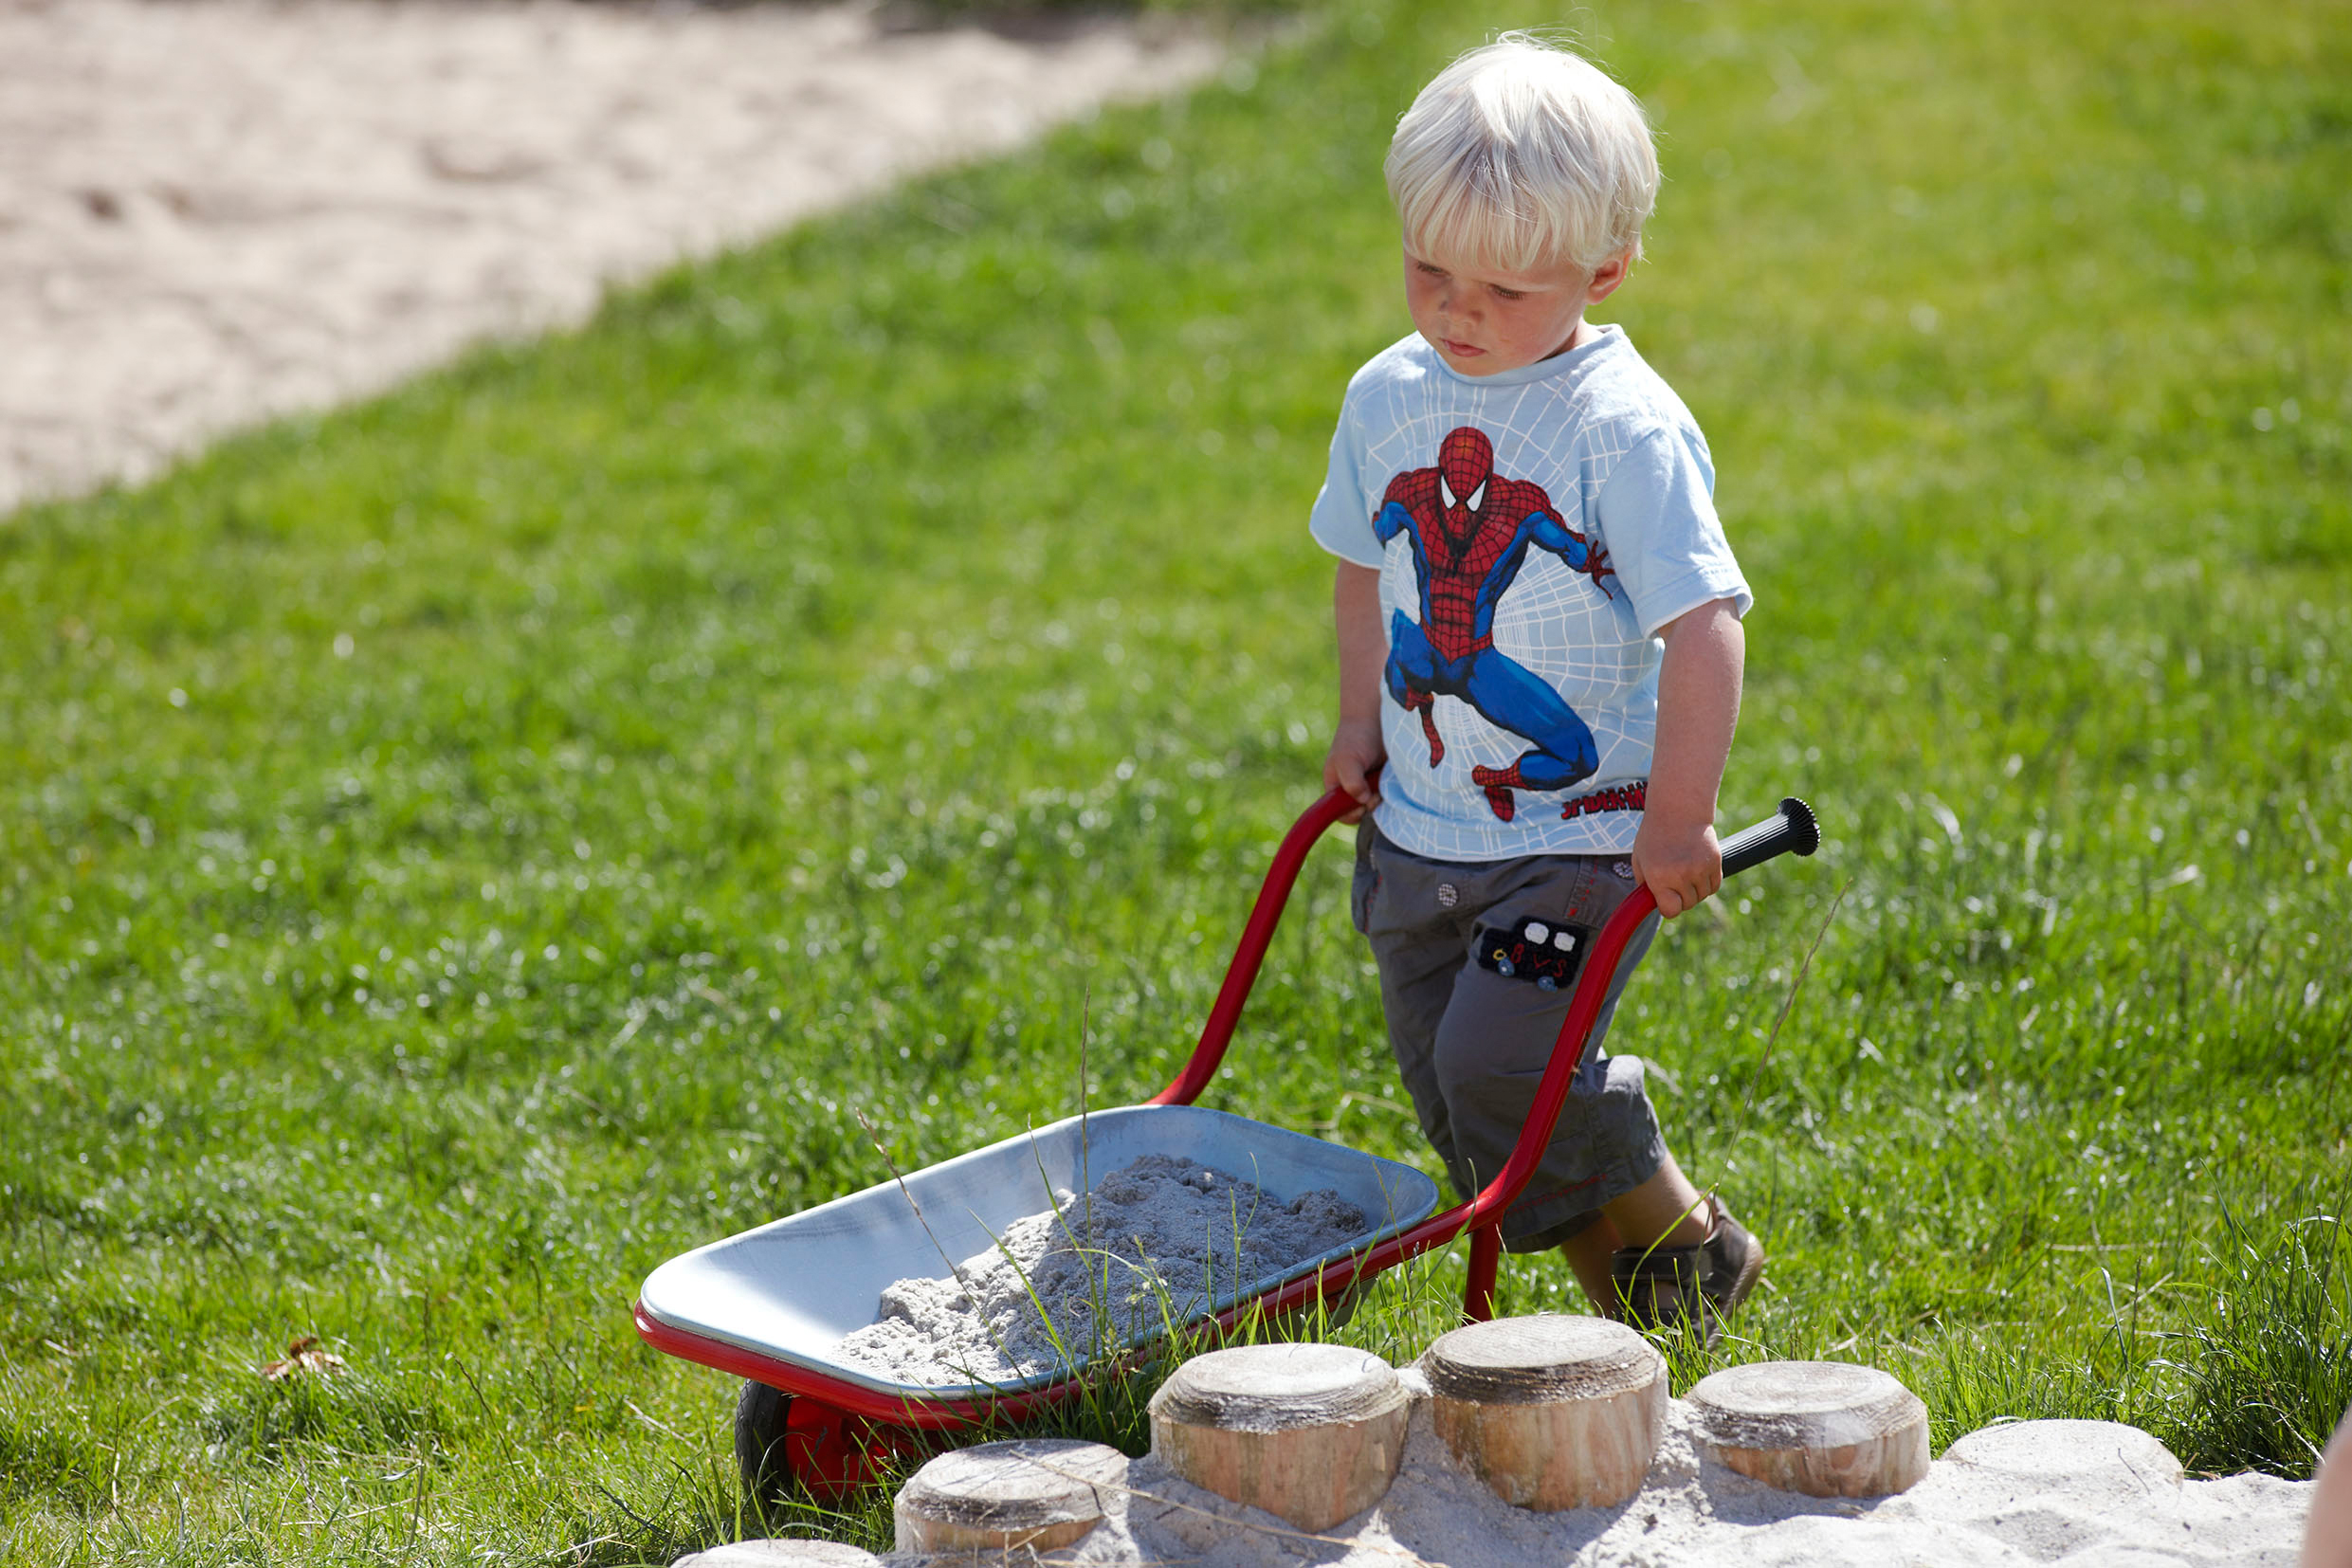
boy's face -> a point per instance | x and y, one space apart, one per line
1482 322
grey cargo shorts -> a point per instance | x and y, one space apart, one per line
1472 1030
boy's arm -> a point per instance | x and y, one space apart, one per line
1674 854
1356 743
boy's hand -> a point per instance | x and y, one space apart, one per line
1356 751
1678 862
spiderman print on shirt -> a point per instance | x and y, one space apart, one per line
1471 528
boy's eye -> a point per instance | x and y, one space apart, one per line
1509 294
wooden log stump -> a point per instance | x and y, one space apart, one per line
780 1553
1550 1411
1038 1493
1827 1428
1311 1433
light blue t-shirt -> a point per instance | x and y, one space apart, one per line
1533 529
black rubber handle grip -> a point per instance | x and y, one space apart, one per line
1793 831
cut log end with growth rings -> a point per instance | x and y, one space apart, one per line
1549 1412
1827 1428
1034 1493
1311 1433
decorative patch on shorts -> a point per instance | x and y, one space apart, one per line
1446 895
1543 953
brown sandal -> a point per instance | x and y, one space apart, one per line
1658 1287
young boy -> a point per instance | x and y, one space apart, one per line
1539 635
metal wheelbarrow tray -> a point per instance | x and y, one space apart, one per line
786 1294
773 1304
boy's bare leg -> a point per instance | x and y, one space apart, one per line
1588 1253
1665 1210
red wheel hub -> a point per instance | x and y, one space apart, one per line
835 1453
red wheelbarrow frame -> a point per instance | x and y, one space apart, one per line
1790 830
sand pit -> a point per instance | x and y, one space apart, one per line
2085 1494
215 211
2120 1510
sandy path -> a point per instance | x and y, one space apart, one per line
215 210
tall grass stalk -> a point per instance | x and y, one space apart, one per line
2266 1375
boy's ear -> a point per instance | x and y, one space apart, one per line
1608 276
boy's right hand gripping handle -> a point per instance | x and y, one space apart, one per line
1792 832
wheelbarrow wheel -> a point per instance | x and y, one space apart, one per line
782 1441
760 1452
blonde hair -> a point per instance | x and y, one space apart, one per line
1522 156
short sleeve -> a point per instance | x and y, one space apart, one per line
1657 520
1342 521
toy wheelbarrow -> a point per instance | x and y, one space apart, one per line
773 1304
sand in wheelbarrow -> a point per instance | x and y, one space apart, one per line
1162 1236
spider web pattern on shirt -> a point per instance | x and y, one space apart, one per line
1552 619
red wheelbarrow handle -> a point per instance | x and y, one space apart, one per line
1250 952
1790 830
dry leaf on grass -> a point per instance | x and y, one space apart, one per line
304 1355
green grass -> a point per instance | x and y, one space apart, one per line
460 852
